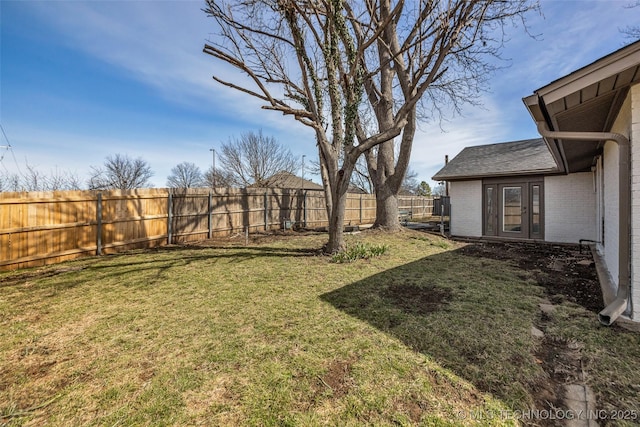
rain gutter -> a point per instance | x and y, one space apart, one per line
621 303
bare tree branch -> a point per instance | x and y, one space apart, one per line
185 175
331 64
120 172
253 158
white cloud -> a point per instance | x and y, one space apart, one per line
478 126
570 35
160 44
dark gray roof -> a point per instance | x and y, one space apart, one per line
528 157
285 179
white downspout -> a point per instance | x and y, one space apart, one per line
622 301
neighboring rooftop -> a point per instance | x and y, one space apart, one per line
527 157
288 180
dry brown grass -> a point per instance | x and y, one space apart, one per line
275 334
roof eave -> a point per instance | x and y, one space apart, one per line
611 64
537 110
541 103
496 175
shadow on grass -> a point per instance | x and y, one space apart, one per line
140 261
469 314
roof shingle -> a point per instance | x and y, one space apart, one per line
527 157
285 179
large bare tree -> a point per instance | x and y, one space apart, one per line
302 60
314 60
120 172
253 158
185 175
430 59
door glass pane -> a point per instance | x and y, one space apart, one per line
535 209
490 211
512 209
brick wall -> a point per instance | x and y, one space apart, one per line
570 203
635 200
611 196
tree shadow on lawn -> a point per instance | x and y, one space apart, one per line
470 314
143 260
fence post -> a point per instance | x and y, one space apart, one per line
210 214
304 209
266 210
360 208
99 225
169 214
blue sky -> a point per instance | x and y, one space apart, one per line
81 80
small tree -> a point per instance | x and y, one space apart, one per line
9 181
252 158
218 178
120 172
410 182
439 190
62 180
35 180
185 175
424 189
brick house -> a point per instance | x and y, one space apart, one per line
580 182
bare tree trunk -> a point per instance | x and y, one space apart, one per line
438 52
336 183
387 208
389 174
336 225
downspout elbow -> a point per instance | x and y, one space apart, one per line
614 310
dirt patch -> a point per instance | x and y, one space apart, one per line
567 273
562 362
337 379
564 271
415 408
417 299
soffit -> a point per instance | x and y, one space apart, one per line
587 100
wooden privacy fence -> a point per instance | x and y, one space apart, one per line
40 228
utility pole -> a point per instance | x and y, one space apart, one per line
213 170
302 181
304 197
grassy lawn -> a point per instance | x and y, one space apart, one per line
275 334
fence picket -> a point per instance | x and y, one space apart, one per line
47 227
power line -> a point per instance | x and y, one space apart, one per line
8 147
5 138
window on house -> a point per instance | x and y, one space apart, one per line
512 209
535 209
